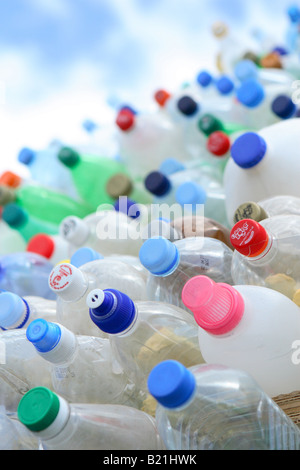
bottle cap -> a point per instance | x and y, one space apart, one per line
74 230
187 105
69 157
7 195
157 183
218 143
111 310
217 307
271 60
245 70
204 78
129 108
127 206
42 244
220 29
161 97
224 85
293 12
250 93
250 210
190 193
125 120
283 107
14 311
119 185
159 256
38 408
248 150
8 178
280 50
209 124
68 282
26 156
14 215
249 238
171 383
170 166
84 255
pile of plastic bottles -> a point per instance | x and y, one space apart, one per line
150 300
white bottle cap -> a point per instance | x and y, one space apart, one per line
68 282
74 230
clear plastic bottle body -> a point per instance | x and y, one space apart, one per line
198 256
39 307
15 436
11 240
106 427
227 411
281 205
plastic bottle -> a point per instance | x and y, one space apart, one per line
247 327
210 407
246 69
257 170
54 247
67 426
144 333
269 207
83 368
11 240
15 436
18 312
292 33
26 224
266 253
26 274
171 265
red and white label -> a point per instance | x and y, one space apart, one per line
60 277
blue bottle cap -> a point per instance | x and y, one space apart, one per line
170 166
187 105
190 193
127 107
159 256
171 383
14 215
157 183
89 125
13 310
127 206
248 150
43 335
283 107
250 93
84 255
280 50
224 85
26 155
111 310
293 12
245 70
204 78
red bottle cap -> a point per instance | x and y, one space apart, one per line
161 96
125 119
41 244
249 238
218 143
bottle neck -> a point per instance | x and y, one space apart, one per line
268 253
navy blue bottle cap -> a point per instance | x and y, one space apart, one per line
280 50
250 93
111 310
248 150
43 335
224 85
204 78
127 206
26 155
170 166
14 215
171 383
187 105
84 255
283 107
157 183
159 256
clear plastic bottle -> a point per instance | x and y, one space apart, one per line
269 207
18 312
246 327
83 368
60 425
267 253
171 265
11 241
210 407
143 334
15 436
53 247
26 274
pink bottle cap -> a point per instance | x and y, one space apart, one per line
249 238
217 307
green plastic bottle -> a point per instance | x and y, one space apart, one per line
27 225
44 203
91 174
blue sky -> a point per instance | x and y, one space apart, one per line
62 61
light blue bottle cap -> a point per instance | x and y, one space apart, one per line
43 335
170 166
248 150
171 384
251 93
84 255
224 85
245 70
159 256
190 193
26 156
13 310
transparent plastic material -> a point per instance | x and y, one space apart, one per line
15 436
197 256
11 241
228 411
278 267
281 205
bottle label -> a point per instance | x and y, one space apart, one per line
60 276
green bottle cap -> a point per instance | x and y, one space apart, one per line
38 408
14 215
250 210
209 124
68 157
